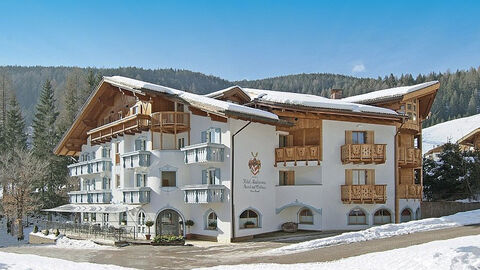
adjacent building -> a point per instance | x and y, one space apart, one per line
241 162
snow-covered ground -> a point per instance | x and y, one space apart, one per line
384 231
34 262
456 253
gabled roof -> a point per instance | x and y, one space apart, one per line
390 93
454 131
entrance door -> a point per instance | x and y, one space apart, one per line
169 222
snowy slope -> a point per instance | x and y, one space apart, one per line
449 131
33 262
384 231
388 93
456 253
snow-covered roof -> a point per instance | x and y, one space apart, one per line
313 101
387 94
450 131
195 100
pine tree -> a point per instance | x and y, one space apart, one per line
472 105
15 136
70 103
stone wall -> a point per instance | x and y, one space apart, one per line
444 208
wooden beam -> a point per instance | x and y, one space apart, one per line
218 118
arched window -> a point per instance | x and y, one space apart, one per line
305 216
406 215
357 217
382 216
141 222
249 219
212 221
123 218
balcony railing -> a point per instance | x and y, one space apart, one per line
91 196
138 195
363 153
409 157
129 125
298 153
411 191
170 121
204 152
136 159
92 166
364 193
203 193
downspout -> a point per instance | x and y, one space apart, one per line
397 181
232 185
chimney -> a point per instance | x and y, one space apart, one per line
336 93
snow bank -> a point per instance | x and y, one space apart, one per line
384 231
29 262
450 131
388 93
65 242
49 236
456 253
312 101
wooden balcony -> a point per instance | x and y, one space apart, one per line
410 191
170 122
298 153
412 126
129 125
203 193
364 193
409 157
363 153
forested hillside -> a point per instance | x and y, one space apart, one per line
458 95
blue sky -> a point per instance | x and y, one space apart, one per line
244 39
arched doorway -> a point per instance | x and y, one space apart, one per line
406 215
169 222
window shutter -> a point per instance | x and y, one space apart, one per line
139 180
217 176
204 177
204 136
370 177
289 140
370 137
291 178
348 136
348 177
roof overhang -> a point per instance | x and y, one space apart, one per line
92 208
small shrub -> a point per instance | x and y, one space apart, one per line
249 223
57 233
167 238
45 232
35 229
189 223
149 223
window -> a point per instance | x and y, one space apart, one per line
305 216
282 141
105 219
123 218
180 107
181 143
141 222
382 216
93 217
106 183
418 174
135 109
249 219
211 176
140 145
359 177
85 216
411 110
169 179
117 181
212 221
357 217
286 178
406 215
105 152
211 135
358 137
141 180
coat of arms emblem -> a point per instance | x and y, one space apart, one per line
254 164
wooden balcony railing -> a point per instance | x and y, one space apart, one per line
129 125
411 125
170 121
409 191
364 193
298 153
363 153
409 157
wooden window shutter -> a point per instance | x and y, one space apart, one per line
348 136
289 140
348 177
370 177
291 178
370 137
